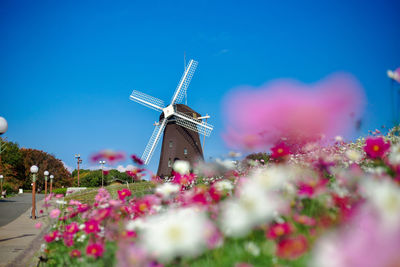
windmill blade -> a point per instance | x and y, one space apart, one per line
193 124
184 82
151 145
146 100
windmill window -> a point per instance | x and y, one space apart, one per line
185 151
169 162
170 144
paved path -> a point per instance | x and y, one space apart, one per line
19 239
11 208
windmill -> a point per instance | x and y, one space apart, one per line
179 124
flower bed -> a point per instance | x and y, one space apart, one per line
336 205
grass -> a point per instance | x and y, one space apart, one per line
138 189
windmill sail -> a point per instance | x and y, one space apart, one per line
155 137
147 100
184 82
193 124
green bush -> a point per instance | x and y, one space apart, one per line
60 191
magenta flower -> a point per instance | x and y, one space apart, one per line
376 147
72 228
50 237
279 230
92 226
75 253
279 151
122 194
304 219
95 250
292 248
109 155
137 160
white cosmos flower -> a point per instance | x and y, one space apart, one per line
271 178
385 196
167 189
394 156
223 185
135 225
181 166
180 232
254 206
353 155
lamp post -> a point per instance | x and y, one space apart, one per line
79 161
51 183
46 174
1 181
3 129
34 170
102 162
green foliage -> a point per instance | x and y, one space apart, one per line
92 178
60 191
15 166
258 156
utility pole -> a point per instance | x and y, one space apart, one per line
79 161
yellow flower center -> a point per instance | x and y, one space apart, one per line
143 207
280 150
279 230
174 233
375 148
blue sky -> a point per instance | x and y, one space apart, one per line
67 68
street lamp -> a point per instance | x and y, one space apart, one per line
34 170
79 161
3 129
46 174
1 181
51 183
102 162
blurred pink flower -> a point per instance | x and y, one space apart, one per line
38 225
122 194
109 155
292 247
75 253
92 226
280 150
50 237
54 213
293 111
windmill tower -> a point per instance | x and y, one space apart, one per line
179 124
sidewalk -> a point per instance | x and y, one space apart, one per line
20 240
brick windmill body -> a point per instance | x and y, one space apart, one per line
179 124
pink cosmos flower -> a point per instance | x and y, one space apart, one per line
304 219
291 110
137 160
183 180
72 228
280 151
102 196
95 250
38 225
54 213
92 226
292 247
75 253
122 194
59 196
109 155
279 230
50 237
376 147
83 207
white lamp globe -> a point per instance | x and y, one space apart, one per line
51 176
34 169
1 176
3 125
46 173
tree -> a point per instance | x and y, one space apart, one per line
44 161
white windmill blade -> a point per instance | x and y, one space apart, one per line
147 100
155 137
184 82
193 124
